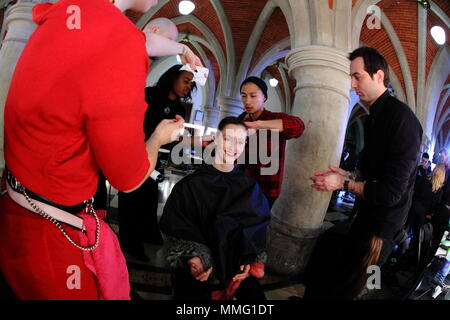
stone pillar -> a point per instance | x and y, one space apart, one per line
426 144
229 106
321 101
19 26
212 117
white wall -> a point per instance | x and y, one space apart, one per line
274 101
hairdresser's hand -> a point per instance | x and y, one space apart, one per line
197 269
188 56
328 182
255 125
332 170
168 130
245 273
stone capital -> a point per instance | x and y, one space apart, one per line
318 56
320 67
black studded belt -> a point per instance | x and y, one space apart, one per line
13 183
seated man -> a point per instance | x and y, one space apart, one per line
214 225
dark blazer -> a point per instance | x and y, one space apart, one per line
392 139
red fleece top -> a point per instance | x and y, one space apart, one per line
76 103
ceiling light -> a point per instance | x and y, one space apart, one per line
273 82
425 4
186 7
438 35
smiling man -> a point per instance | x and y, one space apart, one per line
392 138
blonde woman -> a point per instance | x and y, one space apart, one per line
427 194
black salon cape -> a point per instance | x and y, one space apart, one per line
227 212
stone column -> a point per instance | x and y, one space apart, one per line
19 26
229 106
321 101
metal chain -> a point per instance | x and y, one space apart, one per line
42 213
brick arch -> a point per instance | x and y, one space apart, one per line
242 16
443 112
275 31
204 12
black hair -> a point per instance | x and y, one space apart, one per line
231 120
166 81
425 155
258 82
373 61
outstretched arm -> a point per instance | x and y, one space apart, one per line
334 180
160 46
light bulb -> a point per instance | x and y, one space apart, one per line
273 82
438 35
185 7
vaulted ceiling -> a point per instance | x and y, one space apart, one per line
222 29
236 20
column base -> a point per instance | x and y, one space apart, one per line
288 253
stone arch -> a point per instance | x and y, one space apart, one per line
299 26
437 76
275 53
359 13
229 43
211 43
443 101
251 45
393 37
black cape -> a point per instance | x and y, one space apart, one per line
226 212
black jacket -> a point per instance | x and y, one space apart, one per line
160 108
392 139
221 217
423 193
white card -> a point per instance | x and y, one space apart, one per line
200 75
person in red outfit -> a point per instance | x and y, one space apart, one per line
75 106
256 117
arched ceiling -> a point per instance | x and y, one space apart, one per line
230 24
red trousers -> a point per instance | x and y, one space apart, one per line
37 261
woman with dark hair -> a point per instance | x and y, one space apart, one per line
214 225
138 209
168 97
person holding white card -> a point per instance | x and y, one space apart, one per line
138 209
